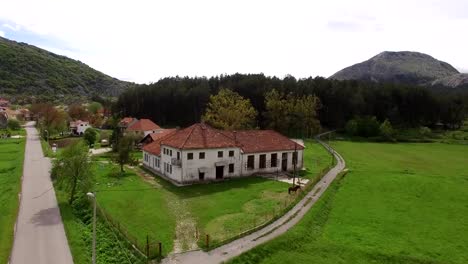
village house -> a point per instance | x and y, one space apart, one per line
201 153
150 138
126 122
142 128
79 127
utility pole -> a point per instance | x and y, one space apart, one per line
294 163
93 196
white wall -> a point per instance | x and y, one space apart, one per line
188 171
268 168
208 164
81 128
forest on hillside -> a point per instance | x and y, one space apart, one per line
30 74
181 101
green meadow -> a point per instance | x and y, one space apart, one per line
11 169
399 203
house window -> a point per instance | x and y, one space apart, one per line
164 151
250 162
190 156
178 155
201 155
231 153
170 169
294 159
274 160
231 168
170 152
262 161
220 154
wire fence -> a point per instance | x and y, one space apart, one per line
152 249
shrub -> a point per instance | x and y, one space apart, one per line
352 127
90 136
387 131
425 131
14 124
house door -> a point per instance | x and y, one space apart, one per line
284 162
219 172
201 176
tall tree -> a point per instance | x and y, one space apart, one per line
123 151
228 110
292 115
78 112
73 170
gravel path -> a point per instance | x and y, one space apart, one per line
283 224
39 234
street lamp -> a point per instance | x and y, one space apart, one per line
93 196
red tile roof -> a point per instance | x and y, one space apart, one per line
202 136
162 134
126 120
143 125
155 146
254 141
199 136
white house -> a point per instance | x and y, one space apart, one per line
79 127
202 153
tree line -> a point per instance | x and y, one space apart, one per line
181 101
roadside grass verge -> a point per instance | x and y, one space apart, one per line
11 170
399 203
77 220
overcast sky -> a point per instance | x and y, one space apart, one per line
143 41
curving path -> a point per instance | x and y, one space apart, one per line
39 234
280 226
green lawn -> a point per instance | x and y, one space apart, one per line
316 158
400 203
138 206
147 205
11 169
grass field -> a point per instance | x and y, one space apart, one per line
11 169
400 203
174 215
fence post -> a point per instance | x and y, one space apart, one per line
147 246
160 248
207 241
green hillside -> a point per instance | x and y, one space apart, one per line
26 69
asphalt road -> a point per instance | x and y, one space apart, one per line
280 226
39 236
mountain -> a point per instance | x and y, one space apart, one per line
404 67
29 70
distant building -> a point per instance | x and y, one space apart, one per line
79 127
126 122
143 127
150 138
201 153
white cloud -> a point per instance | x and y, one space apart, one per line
146 40
2 34
14 28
